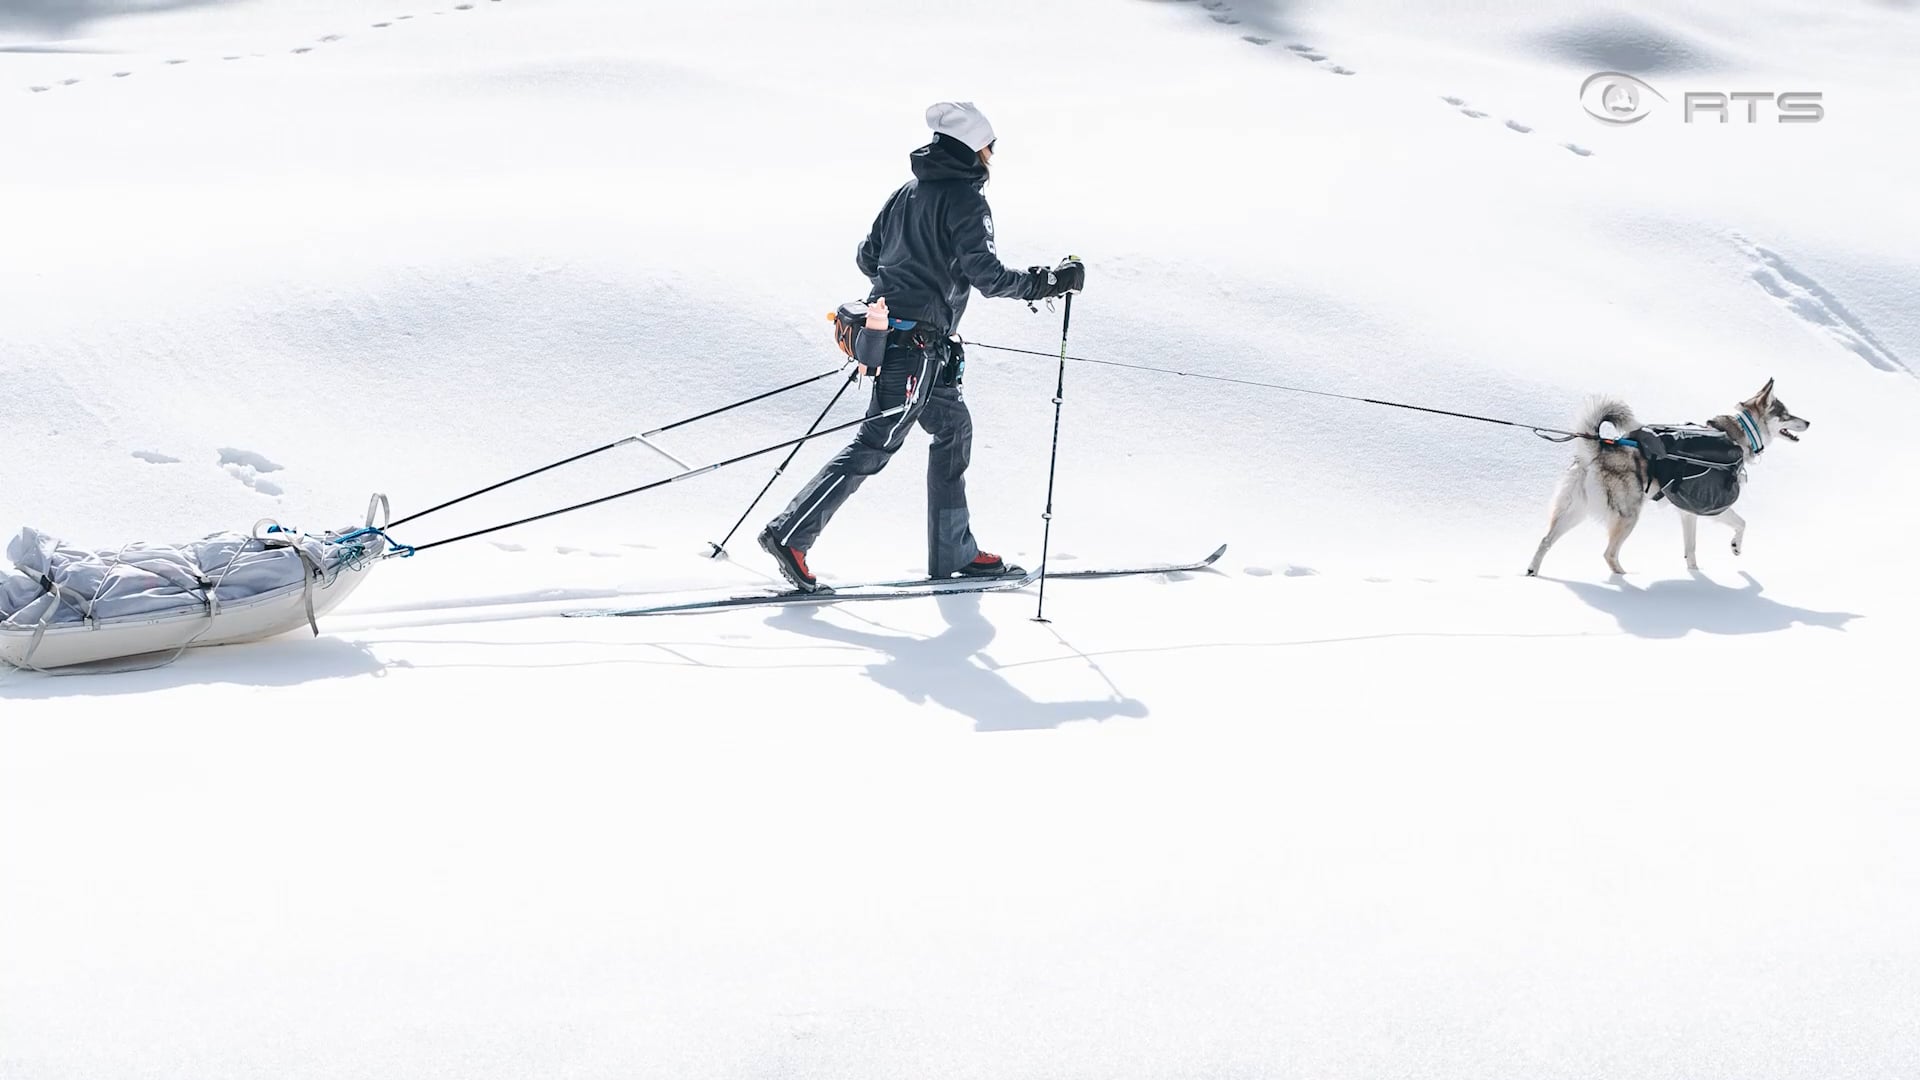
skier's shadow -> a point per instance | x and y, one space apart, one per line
949 670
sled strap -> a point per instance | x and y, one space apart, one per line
309 570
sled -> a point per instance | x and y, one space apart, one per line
149 603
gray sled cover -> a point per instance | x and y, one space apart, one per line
61 585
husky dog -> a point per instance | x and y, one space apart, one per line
1611 480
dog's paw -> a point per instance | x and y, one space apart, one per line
1736 547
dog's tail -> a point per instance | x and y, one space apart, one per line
1599 411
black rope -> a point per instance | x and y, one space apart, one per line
720 548
1546 433
612 445
662 483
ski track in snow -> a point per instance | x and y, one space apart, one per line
1813 304
298 50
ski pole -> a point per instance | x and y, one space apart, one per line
1059 395
720 548
640 438
662 483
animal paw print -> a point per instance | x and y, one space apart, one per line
1304 52
1317 59
1514 126
328 39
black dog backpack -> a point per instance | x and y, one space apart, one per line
1697 467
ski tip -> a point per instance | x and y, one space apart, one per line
1215 557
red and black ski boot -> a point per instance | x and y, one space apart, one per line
987 564
792 563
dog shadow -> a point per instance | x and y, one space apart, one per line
1671 609
950 670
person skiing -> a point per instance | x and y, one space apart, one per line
932 242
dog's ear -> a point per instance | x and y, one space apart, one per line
1765 396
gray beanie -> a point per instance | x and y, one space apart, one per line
960 120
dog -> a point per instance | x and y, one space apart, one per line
1609 480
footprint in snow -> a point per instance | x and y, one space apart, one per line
154 458
1302 571
121 74
1259 571
331 38
1249 38
381 25
1461 104
1511 125
247 458
1317 58
248 468
303 49
1581 150
68 82
179 61
39 89
251 479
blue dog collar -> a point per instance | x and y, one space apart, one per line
1753 433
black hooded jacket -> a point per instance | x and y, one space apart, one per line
934 238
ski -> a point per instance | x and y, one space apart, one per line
898 590
872 591
1131 571
1122 571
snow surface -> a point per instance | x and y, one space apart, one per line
1364 802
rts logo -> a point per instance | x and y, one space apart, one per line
1614 97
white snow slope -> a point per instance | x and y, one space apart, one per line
1363 803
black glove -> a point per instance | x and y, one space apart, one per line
1069 276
